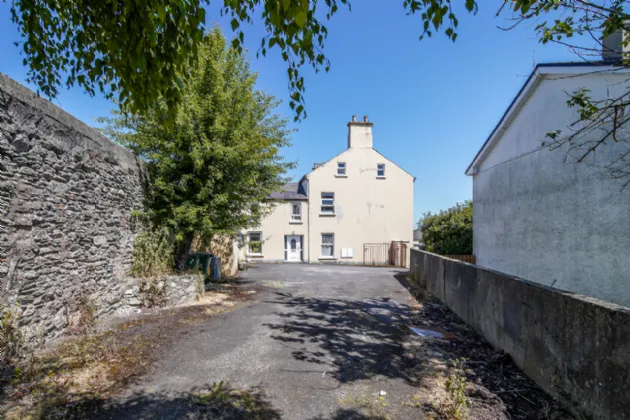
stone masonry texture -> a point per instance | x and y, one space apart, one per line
66 228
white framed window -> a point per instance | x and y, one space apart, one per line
328 203
296 212
380 170
255 242
328 245
341 168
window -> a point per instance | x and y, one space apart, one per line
255 242
328 245
380 170
296 212
341 168
328 203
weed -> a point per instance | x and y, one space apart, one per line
83 319
153 293
220 402
374 407
456 408
152 254
11 339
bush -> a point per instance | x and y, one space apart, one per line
450 231
152 254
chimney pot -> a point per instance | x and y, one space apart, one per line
365 119
354 118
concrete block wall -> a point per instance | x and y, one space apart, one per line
575 347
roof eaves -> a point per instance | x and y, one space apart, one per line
528 87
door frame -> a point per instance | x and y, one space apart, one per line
300 248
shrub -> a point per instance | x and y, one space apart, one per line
450 231
11 340
152 254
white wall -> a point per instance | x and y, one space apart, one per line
367 209
548 220
273 228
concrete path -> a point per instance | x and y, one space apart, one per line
315 342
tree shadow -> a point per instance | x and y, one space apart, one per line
499 389
349 414
357 339
215 401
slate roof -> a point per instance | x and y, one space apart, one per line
290 191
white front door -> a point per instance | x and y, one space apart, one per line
294 248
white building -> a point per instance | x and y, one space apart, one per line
540 215
347 210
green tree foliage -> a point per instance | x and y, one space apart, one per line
450 231
210 171
136 51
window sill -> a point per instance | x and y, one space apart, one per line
381 177
341 176
326 214
327 258
254 255
295 222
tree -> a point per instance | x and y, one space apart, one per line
138 51
450 231
212 171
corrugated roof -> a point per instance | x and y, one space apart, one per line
290 191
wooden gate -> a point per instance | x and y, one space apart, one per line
385 254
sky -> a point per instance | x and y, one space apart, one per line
433 101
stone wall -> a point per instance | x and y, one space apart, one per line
179 290
575 347
66 199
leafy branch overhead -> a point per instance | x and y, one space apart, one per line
139 52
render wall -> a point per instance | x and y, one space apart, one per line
273 228
66 196
539 215
576 348
367 209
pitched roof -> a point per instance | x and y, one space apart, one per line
570 67
290 191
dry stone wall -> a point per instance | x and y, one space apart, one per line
66 199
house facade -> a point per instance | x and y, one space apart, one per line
356 208
539 213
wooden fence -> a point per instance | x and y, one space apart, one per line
465 258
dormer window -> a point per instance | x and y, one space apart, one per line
380 170
341 168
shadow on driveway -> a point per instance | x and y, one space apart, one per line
356 339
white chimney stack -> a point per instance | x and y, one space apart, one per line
360 133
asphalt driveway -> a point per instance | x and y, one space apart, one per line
312 343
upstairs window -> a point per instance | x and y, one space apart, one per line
328 203
255 242
380 170
341 168
328 245
296 212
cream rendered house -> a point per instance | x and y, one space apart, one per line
348 210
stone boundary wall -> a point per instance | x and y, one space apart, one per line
180 290
66 228
575 347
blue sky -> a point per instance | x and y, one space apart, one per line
433 102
